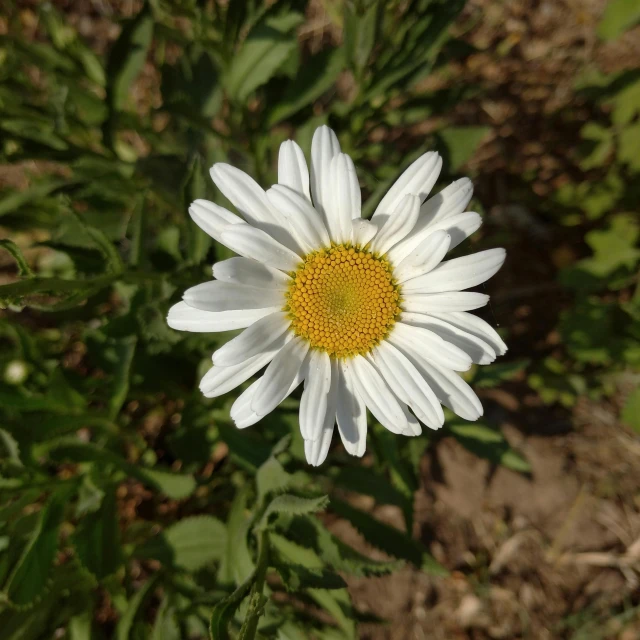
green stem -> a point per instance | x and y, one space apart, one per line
257 598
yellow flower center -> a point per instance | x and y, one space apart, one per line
343 300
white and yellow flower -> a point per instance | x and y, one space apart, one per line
364 313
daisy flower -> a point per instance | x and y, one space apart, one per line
364 313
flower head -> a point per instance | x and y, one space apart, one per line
365 313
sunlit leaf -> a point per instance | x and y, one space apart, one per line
461 143
487 442
127 57
191 544
265 50
618 16
631 410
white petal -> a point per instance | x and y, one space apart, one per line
351 414
241 412
211 218
449 202
448 386
292 168
246 195
414 428
219 380
345 202
477 349
313 403
316 450
363 231
225 296
476 326
253 243
407 383
430 345
397 225
251 201
250 272
423 258
324 147
443 302
418 179
279 376
459 227
305 221
459 273
257 338
380 400
185 318
220 296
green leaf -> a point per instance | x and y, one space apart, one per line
300 567
9 448
23 267
392 541
30 576
365 480
494 374
487 442
104 245
360 29
310 531
27 130
461 143
626 106
248 449
601 140
26 292
619 16
613 247
224 611
290 551
11 201
315 76
90 496
173 485
127 57
293 505
80 626
338 604
628 147
97 539
631 410
166 626
236 563
125 624
267 47
198 242
125 349
295 577
191 544
421 39
271 477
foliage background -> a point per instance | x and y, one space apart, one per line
130 507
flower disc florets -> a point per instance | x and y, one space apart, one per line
343 300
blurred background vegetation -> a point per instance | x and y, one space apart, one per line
130 507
